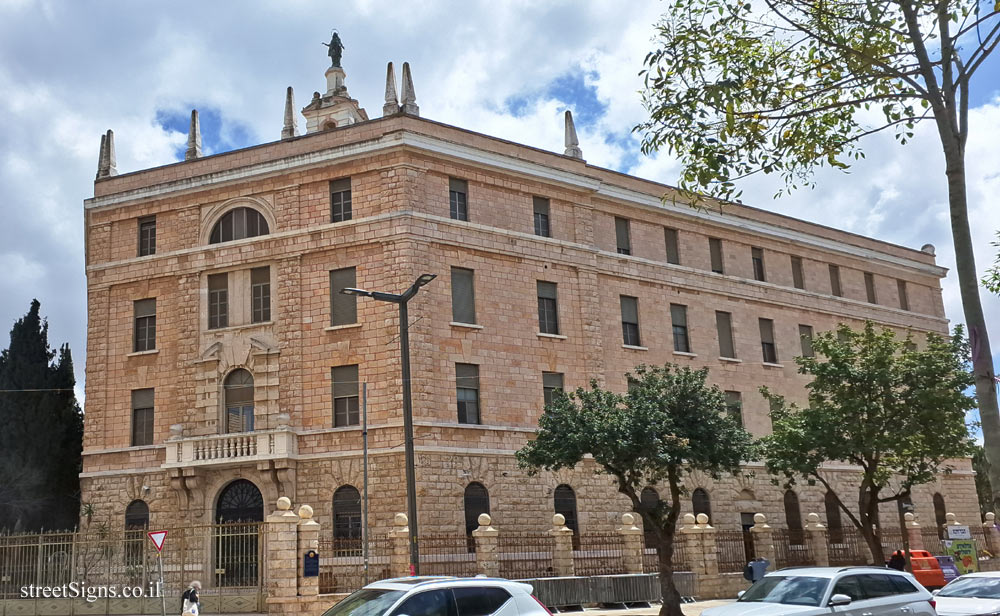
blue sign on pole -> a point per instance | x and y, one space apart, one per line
310 564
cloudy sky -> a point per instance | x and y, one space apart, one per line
70 70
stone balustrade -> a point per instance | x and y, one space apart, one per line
239 447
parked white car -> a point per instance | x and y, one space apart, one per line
441 596
850 591
971 594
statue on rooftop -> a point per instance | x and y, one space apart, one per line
336 49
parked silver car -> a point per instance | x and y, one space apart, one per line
971 594
850 591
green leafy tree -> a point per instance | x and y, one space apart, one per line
737 88
669 423
895 412
42 436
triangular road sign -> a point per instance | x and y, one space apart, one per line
158 537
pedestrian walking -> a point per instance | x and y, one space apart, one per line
190 601
756 569
897 561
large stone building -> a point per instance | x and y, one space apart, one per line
225 370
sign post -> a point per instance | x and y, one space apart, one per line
158 537
962 548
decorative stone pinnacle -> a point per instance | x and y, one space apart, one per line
284 503
571 141
408 99
391 106
689 519
559 520
306 512
110 151
484 519
101 157
702 519
106 159
194 138
289 129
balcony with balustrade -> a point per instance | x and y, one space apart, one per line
230 449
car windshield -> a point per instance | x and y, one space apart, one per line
978 587
790 590
366 602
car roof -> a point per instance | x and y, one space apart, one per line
982 574
830 572
424 582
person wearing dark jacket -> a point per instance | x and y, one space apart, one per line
897 561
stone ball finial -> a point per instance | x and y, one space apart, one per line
929 249
908 516
950 518
702 519
759 518
991 517
628 519
306 512
689 519
559 520
813 518
284 503
400 520
485 519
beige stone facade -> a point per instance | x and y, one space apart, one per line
399 168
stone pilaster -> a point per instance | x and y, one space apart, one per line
399 559
992 533
913 534
487 547
816 540
308 539
763 538
282 554
562 552
632 544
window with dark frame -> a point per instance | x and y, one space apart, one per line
673 246
340 200
458 199
218 301
870 288
769 351
142 417
346 520
463 295
548 309
147 236
552 382
260 294
678 320
540 206
835 281
564 503
345 396
623 236
476 501
467 392
237 224
806 338
630 321
343 308
239 400
793 518
798 276
701 503
734 406
724 327
904 297
144 333
715 255
757 257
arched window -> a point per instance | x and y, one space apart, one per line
240 501
235 543
564 499
833 521
136 523
477 501
940 513
793 518
237 224
137 515
649 498
347 515
700 503
239 401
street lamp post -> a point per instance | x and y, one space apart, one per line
404 343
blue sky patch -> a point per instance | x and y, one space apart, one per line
570 88
217 135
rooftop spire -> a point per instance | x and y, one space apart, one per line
109 150
409 98
106 159
391 105
572 143
289 129
194 138
100 156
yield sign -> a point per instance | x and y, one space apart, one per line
158 537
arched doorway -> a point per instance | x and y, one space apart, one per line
238 514
701 503
564 501
793 518
238 389
136 524
477 502
347 521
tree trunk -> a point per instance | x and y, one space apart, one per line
868 513
665 554
968 284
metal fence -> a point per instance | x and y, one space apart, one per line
342 563
731 550
525 555
446 555
651 559
931 539
599 554
791 549
847 547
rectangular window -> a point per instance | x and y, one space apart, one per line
798 277
343 308
806 338
142 417
870 288
458 199
904 297
724 326
548 310
734 406
757 256
835 281
630 320
345 396
623 236
678 318
551 383
144 337
541 214
340 200
467 391
673 248
715 253
260 294
463 295
770 352
218 301
147 236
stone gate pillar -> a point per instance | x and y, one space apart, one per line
282 554
992 533
399 536
562 552
763 538
816 540
913 534
633 548
487 546
308 539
